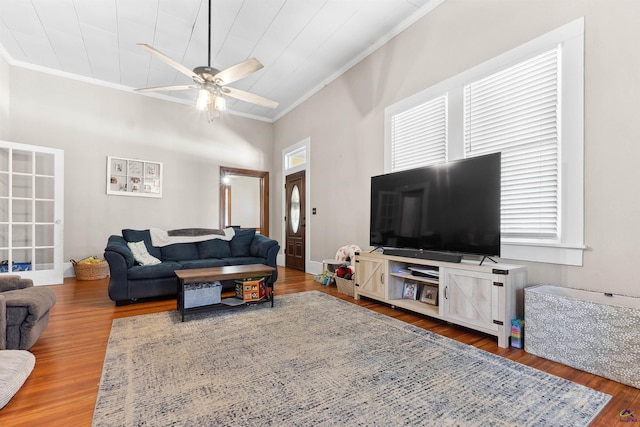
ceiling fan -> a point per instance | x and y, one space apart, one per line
211 83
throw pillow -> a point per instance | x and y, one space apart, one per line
241 242
144 235
139 250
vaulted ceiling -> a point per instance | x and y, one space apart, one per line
303 44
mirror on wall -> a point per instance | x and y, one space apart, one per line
244 199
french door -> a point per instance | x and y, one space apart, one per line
31 212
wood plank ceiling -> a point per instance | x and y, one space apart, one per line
303 44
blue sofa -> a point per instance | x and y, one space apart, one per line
131 282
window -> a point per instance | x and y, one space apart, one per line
515 111
528 105
419 135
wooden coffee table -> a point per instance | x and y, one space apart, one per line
213 274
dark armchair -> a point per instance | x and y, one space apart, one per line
24 312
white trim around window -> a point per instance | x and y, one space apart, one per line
568 246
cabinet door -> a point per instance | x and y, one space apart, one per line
473 299
370 278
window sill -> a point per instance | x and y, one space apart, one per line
541 252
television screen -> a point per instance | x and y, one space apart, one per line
452 207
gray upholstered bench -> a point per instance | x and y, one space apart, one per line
15 368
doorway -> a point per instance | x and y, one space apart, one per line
244 199
295 221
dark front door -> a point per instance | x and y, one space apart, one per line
295 219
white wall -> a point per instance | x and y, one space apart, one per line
345 124
92 122
4 98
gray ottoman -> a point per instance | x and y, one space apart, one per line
15 368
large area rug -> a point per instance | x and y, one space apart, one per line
317 360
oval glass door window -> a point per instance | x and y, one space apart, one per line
295 209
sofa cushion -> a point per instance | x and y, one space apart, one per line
204 263
214 248
141 235
141 255
165 269
180 252
241 242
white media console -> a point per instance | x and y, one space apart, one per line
480 297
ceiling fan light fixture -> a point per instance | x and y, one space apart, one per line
204 99
220 103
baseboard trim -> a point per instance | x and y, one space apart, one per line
312 267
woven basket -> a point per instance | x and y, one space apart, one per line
344 286
91 271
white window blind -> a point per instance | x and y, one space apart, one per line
515 111
419 135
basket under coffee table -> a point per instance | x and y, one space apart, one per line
214 274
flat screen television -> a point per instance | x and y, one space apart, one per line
452 207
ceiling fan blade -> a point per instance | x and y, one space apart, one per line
249 97
171 62
238 71
166 88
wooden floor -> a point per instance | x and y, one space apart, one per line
62 388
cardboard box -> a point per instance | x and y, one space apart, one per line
253 289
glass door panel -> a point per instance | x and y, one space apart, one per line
44 234
45 211
45 164
44 259
45 187
4 184
22 257
22 186
22 211
4 210
22 161
5 154
21 236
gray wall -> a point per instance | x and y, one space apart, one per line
345 124
92 122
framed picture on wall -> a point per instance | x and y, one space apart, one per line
134 177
